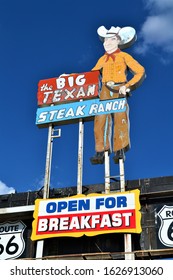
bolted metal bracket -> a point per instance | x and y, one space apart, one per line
56 133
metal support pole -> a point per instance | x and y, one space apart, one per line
127 237
48 162
128 247
107 173
80 157
40 243
122 175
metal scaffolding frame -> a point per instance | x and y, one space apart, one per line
52 133
127 237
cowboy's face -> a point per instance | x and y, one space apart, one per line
111 44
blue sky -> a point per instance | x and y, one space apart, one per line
41 39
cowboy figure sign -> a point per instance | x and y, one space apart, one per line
114 66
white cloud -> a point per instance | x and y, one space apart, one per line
158 5
4 189
157 32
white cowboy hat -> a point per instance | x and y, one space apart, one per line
127 35
107 33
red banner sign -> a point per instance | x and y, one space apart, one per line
68 88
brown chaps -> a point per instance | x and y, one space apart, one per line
103 127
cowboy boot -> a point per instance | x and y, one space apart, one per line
98 158
119 155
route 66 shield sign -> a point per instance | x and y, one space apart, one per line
166 228
12 243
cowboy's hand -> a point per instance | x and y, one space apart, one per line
122 90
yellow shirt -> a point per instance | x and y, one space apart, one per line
116 71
